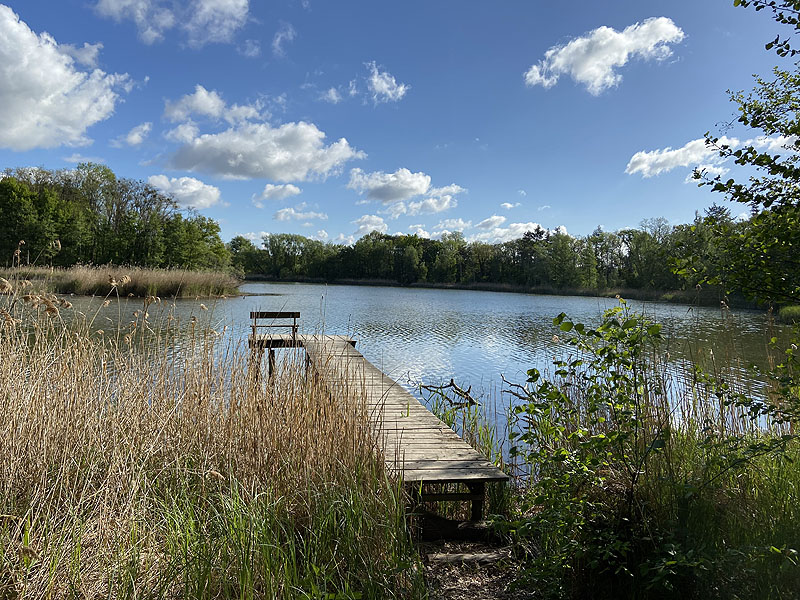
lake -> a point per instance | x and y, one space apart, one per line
432 335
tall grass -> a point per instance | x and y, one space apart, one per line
132 466
97 281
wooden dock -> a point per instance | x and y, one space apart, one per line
415 444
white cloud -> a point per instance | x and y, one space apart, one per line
290 152
276 192
389 187
384 86
86 55
215 20
491 222
509 206
434 204
203 21
331 95
134 137
369 223
79 158
773 143
46 101
454 224
250 48
322 235
544 207
711 170
522 192
210 104
692 153
592 59
419 231
187 191
514 231
298 213
183 133
253 236
285 34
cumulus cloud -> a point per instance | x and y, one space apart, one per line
384 86
395 190
593 59
454 224
298 213
514 231
183 133
86 55
187 191
389 187
209 103
285 34
711 170
509 206
276 192
202 21
215 20
419 231
491 222
46 101
322 235
134 137
290 152
331 95
693 153
369 223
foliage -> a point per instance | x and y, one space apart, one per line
540 260
638 490
89 215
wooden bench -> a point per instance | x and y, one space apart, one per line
272 341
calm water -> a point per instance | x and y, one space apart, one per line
431 336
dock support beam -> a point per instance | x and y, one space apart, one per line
478 491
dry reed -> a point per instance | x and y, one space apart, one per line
141 282
153 464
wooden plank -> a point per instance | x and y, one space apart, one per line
415 442
274 315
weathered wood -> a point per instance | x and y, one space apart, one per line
414 442
266 314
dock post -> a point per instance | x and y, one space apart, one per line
271 362
478 491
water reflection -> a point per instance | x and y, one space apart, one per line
473 337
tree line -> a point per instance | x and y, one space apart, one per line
89 215
654 256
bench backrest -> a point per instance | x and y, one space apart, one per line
272 316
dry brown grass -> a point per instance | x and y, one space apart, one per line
152 464
99 281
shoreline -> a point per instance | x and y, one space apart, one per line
703 297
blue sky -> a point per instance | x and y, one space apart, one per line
331 119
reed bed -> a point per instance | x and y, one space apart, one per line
139 281
130 469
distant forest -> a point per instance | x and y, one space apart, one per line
655 256
88 215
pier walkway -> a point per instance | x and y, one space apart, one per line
415 444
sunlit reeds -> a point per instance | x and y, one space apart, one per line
129 281
134 466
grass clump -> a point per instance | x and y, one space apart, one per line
150 463
789 314
139 281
